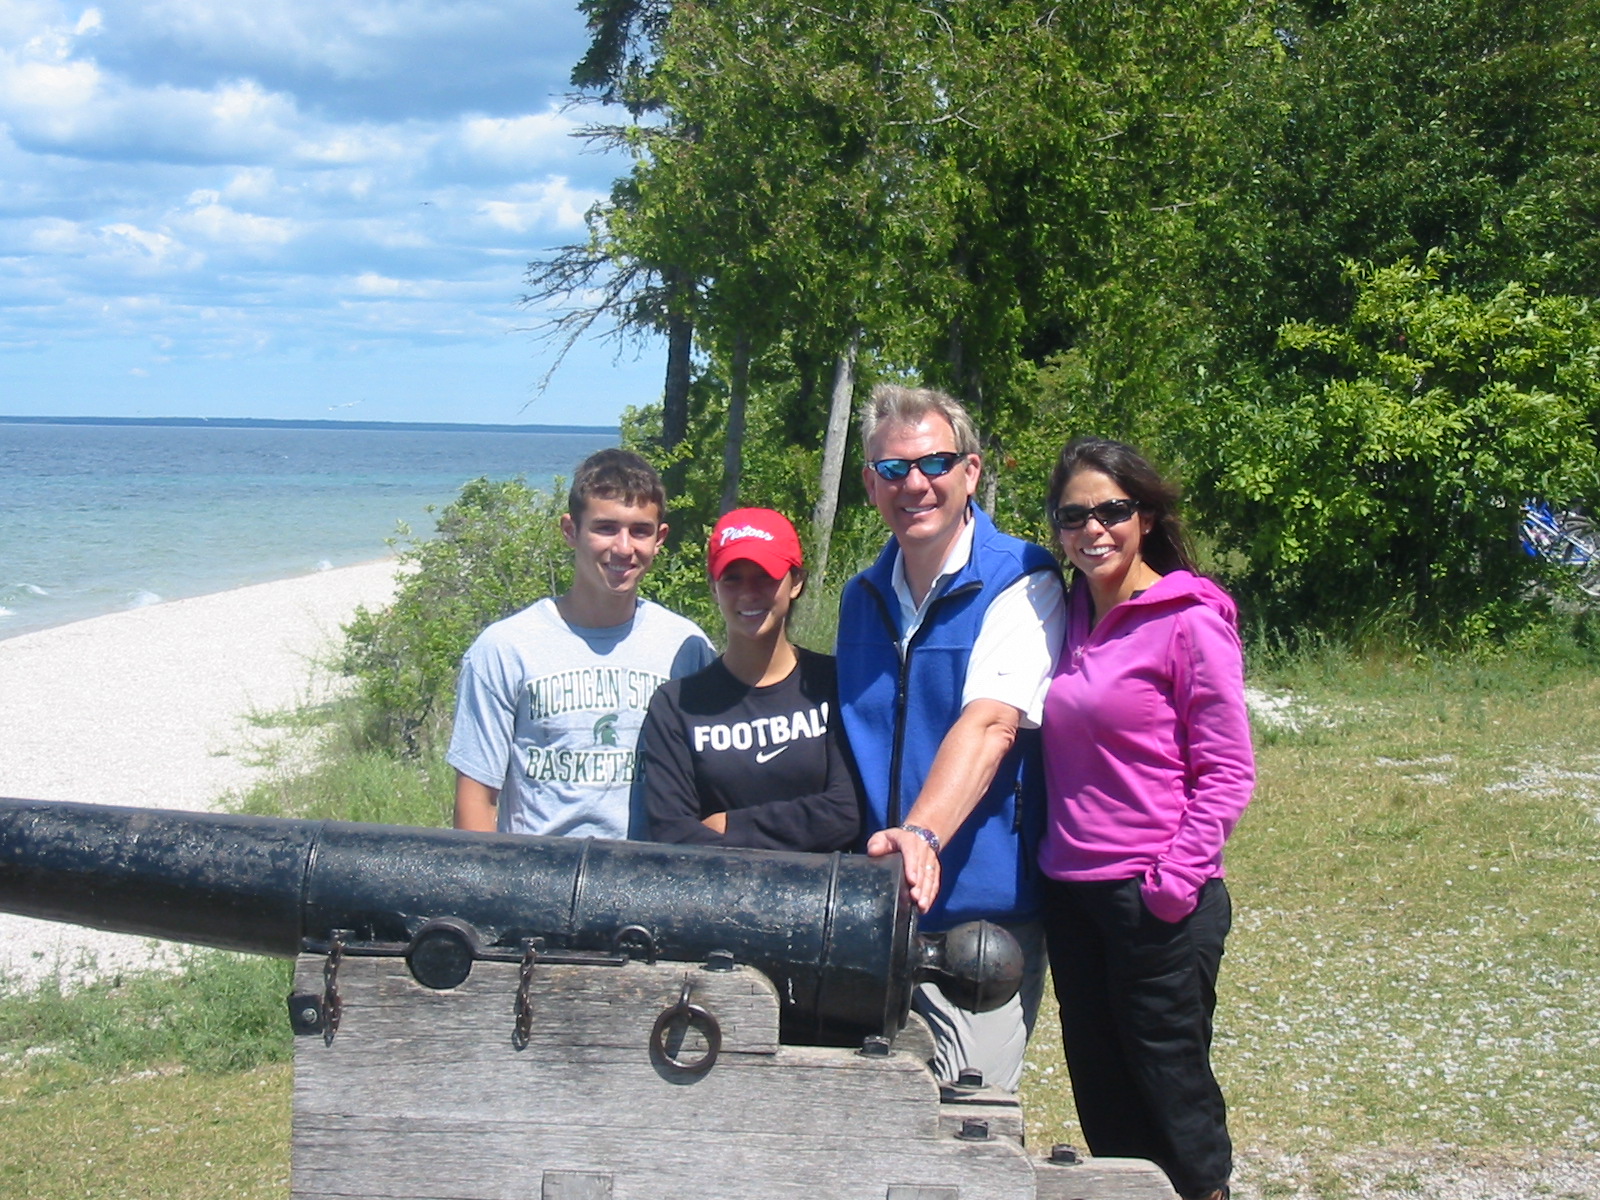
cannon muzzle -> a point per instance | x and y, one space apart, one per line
836 933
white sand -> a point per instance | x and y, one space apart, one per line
152 707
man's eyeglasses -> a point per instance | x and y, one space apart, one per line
1107 512
931 465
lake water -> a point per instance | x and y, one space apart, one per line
96 518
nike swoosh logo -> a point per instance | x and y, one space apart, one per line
769 755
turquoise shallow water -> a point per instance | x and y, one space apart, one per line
96 518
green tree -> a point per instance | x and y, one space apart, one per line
1387 128
1379 467
1117 220
945 186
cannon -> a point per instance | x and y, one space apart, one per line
486 1015
835 933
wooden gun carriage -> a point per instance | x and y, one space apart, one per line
491 1016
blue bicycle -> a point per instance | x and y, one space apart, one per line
1566 538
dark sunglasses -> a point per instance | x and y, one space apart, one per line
931 465
1107 512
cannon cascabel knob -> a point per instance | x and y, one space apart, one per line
978 965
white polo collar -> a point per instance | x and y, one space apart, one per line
960 553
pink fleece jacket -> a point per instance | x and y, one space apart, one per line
1147 750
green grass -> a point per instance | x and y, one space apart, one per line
219 1013
345 780
146 1134
149 1085
1412 961
1412 968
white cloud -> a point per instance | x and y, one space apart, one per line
119 243
47 98
518 142
370 283
145 249
56 103
218 223
228 179
251 184
358 145
552 206
362 59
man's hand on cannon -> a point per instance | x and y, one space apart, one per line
921 862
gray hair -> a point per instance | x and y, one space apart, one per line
892 404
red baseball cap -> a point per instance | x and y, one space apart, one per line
761 535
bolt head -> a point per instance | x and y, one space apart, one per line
876 1046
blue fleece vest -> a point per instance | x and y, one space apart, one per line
897 713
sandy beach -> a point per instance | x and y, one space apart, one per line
153 706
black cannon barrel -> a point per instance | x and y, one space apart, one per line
835 933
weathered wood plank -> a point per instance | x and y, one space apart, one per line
509 1159
1104 1179
1000 1112
572 1005
422 1095
396 1057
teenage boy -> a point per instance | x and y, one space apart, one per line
550 700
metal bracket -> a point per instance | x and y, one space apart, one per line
635 935
494 953
332 1006
523 1029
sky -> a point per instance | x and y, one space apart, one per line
308 209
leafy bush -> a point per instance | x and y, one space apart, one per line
1377 468
497 548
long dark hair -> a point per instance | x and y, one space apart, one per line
1166 547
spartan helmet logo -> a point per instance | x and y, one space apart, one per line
605 730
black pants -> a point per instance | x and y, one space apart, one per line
1137 997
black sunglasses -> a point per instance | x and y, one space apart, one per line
931 465
1107 512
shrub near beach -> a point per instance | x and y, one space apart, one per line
497 547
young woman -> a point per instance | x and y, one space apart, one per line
1148 765
749 751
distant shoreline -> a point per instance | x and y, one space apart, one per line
270 423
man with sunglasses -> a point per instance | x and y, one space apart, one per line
945 650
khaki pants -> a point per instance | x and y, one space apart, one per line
991 1042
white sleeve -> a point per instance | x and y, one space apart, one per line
1014 654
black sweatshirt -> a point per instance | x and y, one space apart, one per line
773 758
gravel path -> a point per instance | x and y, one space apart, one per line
152 707
1442 1173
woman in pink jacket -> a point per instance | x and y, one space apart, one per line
1148 765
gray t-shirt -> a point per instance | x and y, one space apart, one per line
549 713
